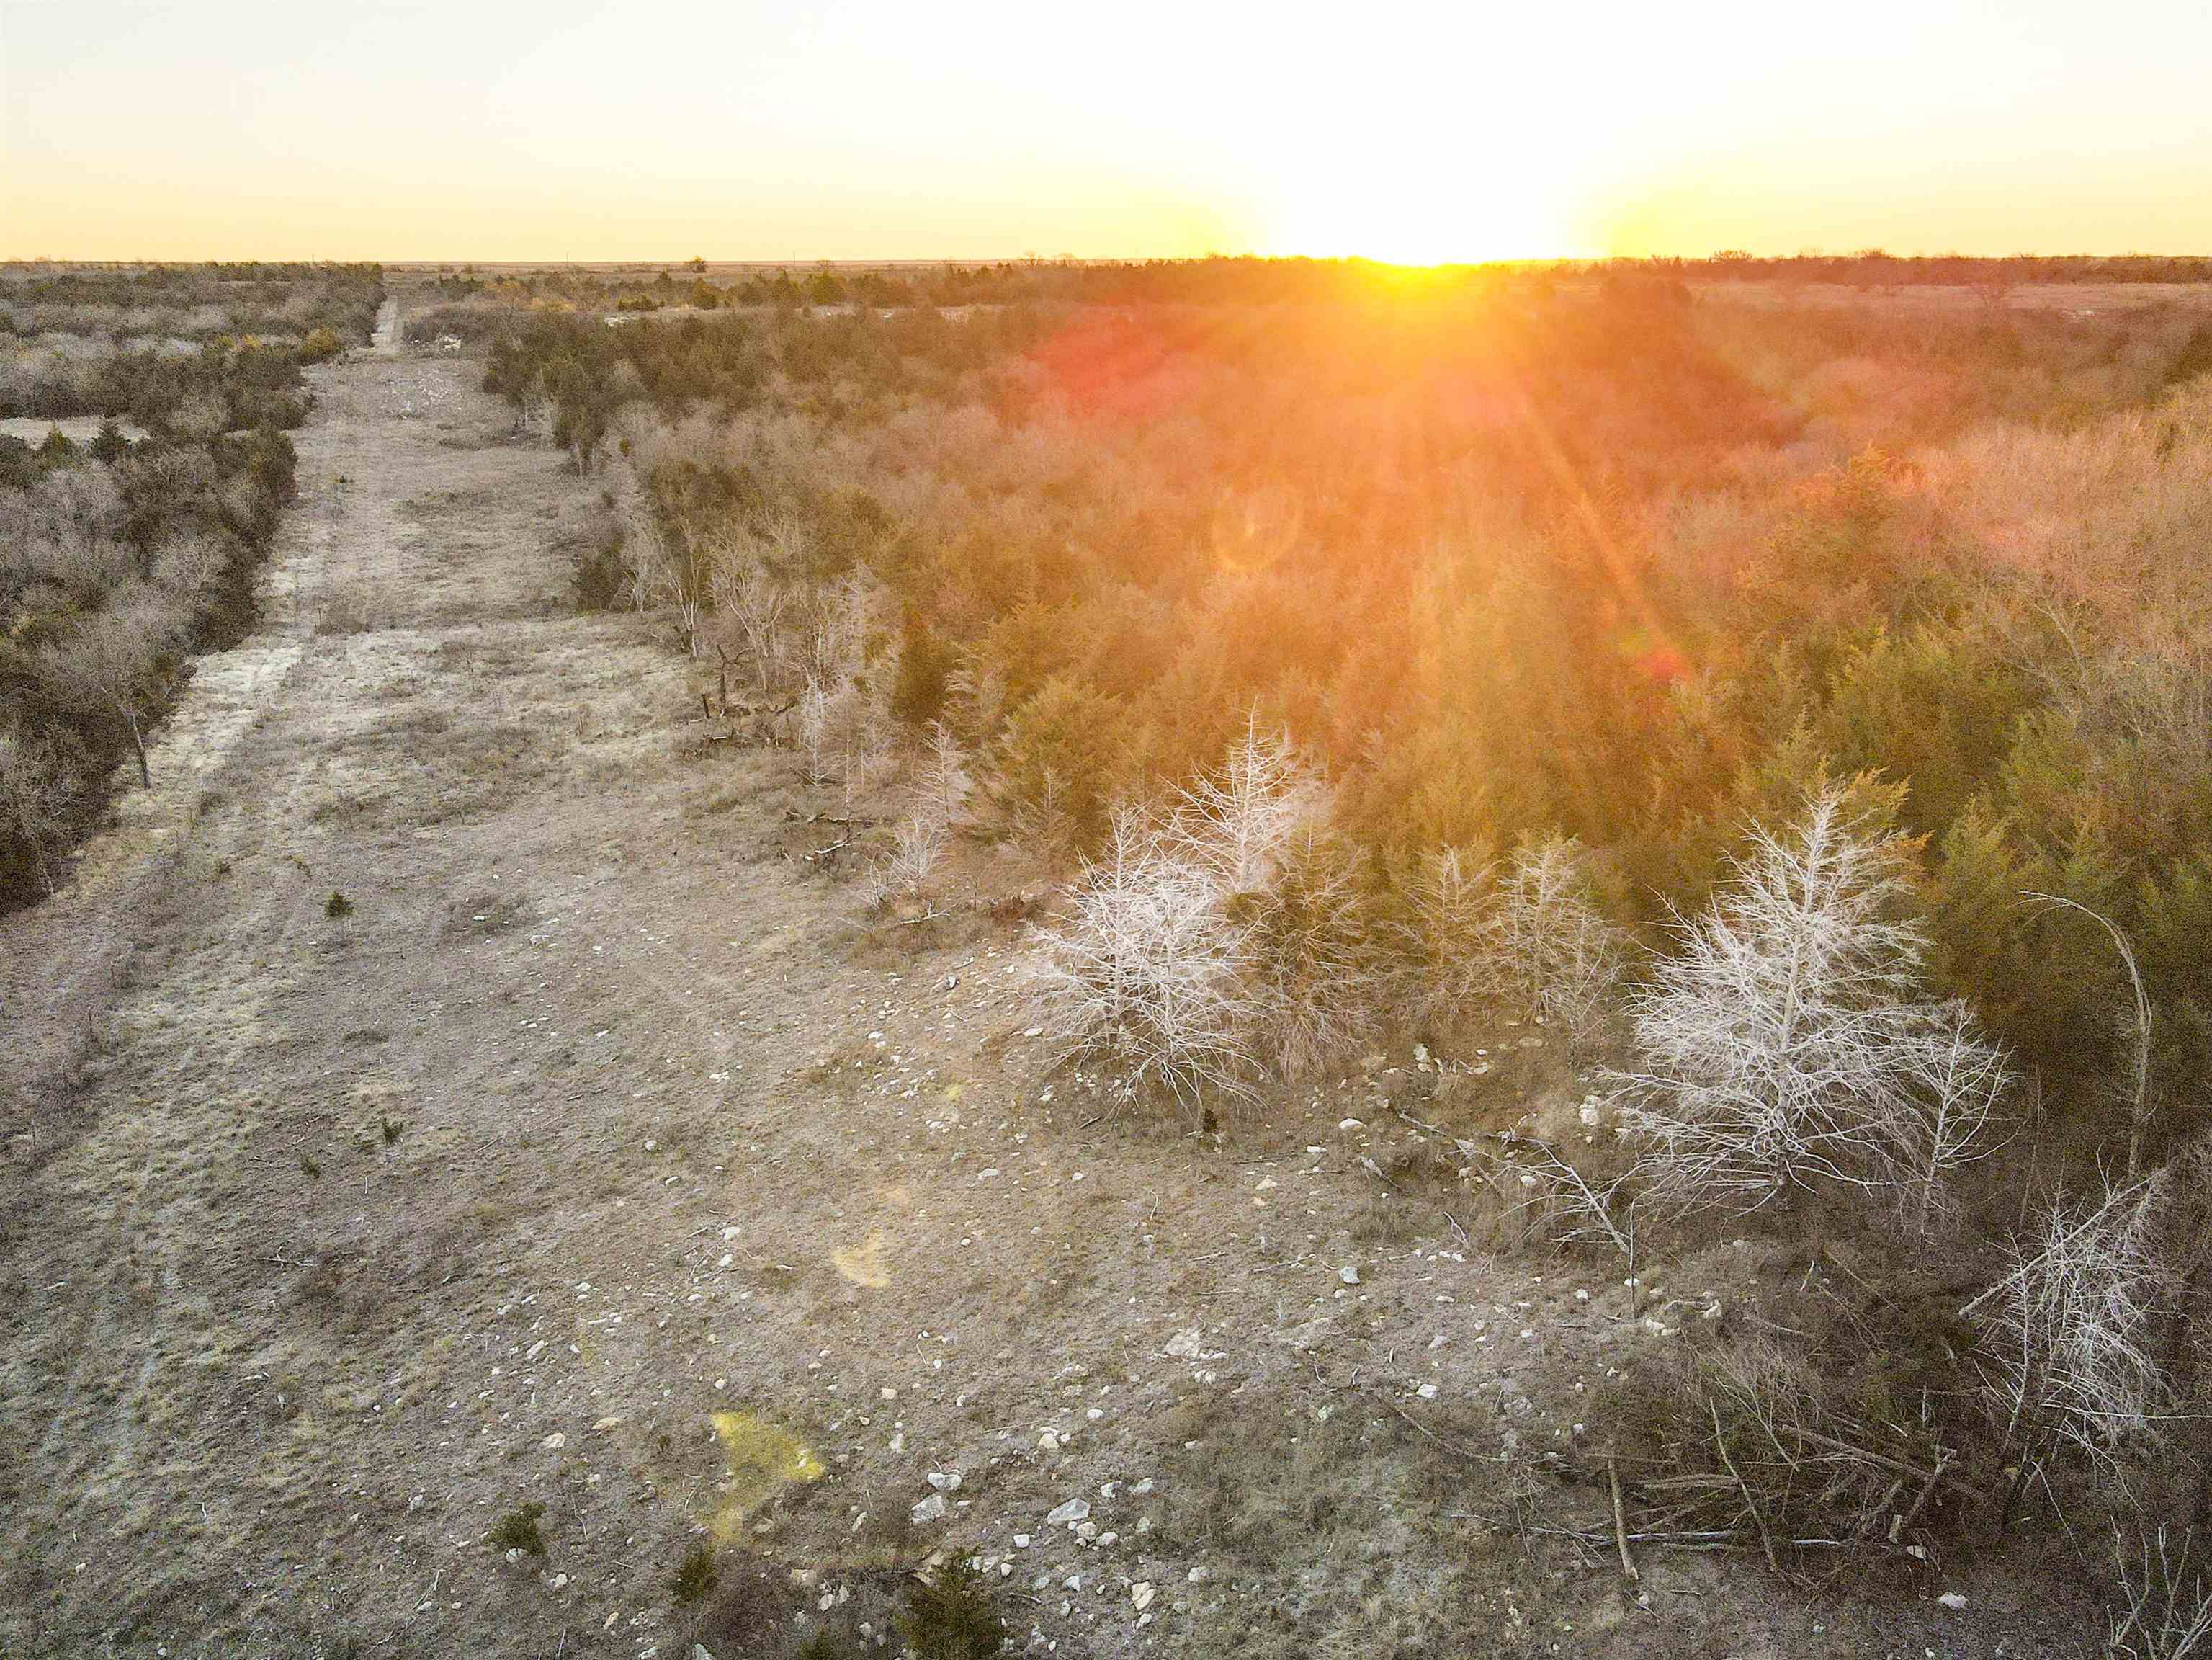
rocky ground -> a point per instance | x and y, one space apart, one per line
446 1093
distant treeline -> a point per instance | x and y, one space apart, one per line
1250 281
225 345
107 285
192 303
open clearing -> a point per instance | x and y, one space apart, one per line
589 1161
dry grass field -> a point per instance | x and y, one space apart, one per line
448 1091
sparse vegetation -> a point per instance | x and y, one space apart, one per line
697 1575
518 1530
952 1617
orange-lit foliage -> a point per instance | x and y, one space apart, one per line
1524 553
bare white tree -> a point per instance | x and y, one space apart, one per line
1544 942
66 530
916 846
870 759
76 511
1959 1081
189 568
2139 1035
1531 936
943 782
1788 1042
829 710
1145 970
756 604
2164 1610
658 577
980 696
1040 816
2070 1355
834 633
1236 819
939 794
199 418
1559 1200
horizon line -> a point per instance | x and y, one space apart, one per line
1720 256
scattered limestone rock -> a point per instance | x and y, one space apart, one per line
1075 1509
930 1509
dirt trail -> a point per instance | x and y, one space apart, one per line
587 1124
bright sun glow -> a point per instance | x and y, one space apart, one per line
857 129
1399 226
1426 219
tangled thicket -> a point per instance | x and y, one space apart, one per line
2072 1340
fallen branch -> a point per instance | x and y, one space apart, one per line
1751 1502
1898 1524
1619 1522
1710 1539
1912 1472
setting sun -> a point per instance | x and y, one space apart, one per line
1419 220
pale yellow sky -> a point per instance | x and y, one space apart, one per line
560 129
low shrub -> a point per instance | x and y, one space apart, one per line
954 1617
696 1575
518 1530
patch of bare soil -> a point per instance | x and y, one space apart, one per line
590 1155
